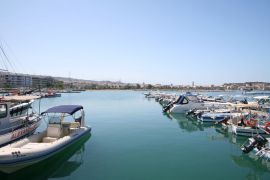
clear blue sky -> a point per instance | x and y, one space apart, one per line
166 41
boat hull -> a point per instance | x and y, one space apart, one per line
183 108
212 119
247 131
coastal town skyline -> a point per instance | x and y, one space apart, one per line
16 80
208 42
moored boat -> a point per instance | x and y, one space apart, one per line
187 102
249 131
51 94
250 126
217 117
17 121
61 133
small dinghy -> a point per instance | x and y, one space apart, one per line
66 126
217 117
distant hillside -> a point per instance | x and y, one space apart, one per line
71 80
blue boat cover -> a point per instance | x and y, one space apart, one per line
69 109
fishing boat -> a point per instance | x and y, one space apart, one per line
66 125
248 131
51 94
16 121
18 105
250 126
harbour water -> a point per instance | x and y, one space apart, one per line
132 139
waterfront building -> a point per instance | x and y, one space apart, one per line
13 80
42 81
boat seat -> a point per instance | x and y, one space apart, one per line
49 139
54 131
74 125
79 119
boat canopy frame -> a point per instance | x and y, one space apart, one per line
66 109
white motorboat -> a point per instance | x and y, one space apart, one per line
187 102
61 133
17 121
152 94
264 102
212 99
167 98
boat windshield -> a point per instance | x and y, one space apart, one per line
193 98
77 116
185 101
3 110
57 118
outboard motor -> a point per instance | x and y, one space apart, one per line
199 115
258 142
191 112
168 106
244 101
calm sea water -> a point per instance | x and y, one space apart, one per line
132 139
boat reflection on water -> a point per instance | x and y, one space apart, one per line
246 161
60 165
232 138
256 165
189 124
192 125
256 168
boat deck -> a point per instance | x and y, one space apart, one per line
34 145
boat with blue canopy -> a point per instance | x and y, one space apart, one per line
66 125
